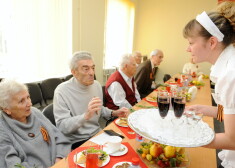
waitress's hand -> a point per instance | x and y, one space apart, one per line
203 109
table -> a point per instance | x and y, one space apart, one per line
199 157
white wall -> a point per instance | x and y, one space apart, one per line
159 24
88 30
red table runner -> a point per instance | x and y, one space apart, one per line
113 159
125 131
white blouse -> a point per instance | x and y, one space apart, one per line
223 75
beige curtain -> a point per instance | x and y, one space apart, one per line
119 31
37 38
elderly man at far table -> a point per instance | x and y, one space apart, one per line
120 89
78 102
138 57
146 73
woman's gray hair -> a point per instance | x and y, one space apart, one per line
125 59
77 56
8 88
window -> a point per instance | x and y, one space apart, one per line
119 31
35 38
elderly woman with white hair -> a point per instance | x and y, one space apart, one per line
27 138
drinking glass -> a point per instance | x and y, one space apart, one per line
92 160
192 121
193 118
173 95
176 79
163 100
179 106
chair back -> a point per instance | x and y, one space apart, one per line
48 87
48 113
68 77
166 77
104 97
35 93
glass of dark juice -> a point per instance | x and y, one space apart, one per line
163 100
179 106
173 95
176 79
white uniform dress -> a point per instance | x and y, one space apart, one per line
223 75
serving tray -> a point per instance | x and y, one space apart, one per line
149 124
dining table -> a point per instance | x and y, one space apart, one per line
198 157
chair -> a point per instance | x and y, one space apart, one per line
104 98
68 77
166 77
48 87
35 93
48 113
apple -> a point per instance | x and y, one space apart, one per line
155 150
169 151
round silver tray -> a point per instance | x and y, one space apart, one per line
149 124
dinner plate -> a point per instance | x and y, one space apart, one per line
149 124
120 163
117 122
150 99
118 153
83 165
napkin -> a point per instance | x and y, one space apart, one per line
193 91
200 78
100 139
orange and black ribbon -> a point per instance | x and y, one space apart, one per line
220 113
45 134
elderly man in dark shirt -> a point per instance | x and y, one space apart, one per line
146 73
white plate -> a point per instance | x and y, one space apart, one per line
83 165
117 122
147 123
120 163
150 99
118 153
